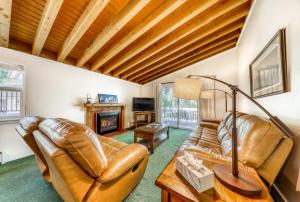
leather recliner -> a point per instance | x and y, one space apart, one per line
84 166
25 128
261 145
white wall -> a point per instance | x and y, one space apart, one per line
58 90
223 65
267 17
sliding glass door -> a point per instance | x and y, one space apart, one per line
177 112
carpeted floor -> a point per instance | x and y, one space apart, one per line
20 180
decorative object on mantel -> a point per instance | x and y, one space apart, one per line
107 98
192 169
88 98
268 71
235 179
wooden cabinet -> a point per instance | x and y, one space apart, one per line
143 118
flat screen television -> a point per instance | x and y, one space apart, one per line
143 104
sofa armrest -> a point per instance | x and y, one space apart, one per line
211 120
210 125
123 160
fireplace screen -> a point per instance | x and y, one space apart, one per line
107 122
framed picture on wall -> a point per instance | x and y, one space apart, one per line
107 99
268 71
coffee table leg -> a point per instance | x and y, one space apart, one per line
135 138
152 144
168 132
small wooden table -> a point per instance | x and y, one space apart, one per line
175 188
152 135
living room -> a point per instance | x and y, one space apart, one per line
50 58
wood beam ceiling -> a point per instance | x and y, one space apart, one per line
234 20
178 51
92 11
135 40
219 44
50 12
133 8
180 34
160 13
5 16
179 20
181 66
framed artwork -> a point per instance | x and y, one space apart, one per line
107 99
268 71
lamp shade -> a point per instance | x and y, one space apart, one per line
187 88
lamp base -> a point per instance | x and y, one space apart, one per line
245 184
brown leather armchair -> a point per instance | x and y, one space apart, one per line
84 166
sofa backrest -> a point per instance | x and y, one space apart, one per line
68 178
261 144
224 132
257 138
79 141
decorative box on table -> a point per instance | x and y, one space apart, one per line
200 177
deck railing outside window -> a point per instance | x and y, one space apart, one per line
10 102
11 92
177 112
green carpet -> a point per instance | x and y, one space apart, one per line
20 180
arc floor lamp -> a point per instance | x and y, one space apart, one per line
232 177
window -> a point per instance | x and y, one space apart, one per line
11 92
177 112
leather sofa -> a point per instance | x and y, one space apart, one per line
81 165
261 144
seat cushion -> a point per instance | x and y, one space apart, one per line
79 141
110 146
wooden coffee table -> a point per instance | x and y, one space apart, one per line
175 188
152 135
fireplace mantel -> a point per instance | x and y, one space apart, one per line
93 108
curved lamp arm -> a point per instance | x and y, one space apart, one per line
283 127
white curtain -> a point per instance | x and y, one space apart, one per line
207 107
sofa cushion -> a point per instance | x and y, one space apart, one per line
110 146
258 138
79 141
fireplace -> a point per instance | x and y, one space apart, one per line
94 110
107 122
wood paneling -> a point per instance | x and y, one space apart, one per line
91 12
5 16
50 12
182 32
136 40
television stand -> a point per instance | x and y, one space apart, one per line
148 117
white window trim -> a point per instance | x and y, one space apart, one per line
14 119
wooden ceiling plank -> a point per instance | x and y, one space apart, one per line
148 41
190 56
51 10
133 8
92 11
5 18
153 19
169 71
180 45
185 50
180 34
